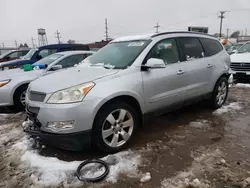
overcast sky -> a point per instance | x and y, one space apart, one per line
83 20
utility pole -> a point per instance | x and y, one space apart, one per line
228 32
33 43
157 27
246 32
58 36
106 30
3 45
16 44
221 20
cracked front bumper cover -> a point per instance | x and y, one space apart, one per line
71 141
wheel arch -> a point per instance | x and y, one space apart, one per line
131 100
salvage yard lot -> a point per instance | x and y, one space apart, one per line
192 147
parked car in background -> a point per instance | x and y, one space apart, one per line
233 49
240 63
36 54
13 54
104 100
14 82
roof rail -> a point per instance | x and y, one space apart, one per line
176 32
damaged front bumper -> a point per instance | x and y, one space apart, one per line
70 141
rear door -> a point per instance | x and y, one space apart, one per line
198 71
167 86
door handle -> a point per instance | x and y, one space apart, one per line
180 72
209 65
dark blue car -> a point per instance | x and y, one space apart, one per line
36 54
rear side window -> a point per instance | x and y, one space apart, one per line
191 48
211 46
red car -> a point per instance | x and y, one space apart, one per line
13 54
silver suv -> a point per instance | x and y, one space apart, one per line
103 101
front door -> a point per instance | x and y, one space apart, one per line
165 87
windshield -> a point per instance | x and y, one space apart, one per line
119 55
48 60
245 48
29 55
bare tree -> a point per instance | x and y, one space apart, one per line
71 41
235 34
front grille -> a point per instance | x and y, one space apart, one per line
36 96
240 66
32 113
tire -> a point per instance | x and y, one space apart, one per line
220 93
17 97
119 132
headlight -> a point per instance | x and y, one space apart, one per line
71 95
4 82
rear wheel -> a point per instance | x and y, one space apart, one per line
115 126
19 97
220 93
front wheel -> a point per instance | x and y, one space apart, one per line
19 97
115 126
220 93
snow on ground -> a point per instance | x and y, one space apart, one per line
227 108
199 124
50 171
242 85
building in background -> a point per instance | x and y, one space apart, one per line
243 39
98 45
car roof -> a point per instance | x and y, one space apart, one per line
75 52
152 35
61 45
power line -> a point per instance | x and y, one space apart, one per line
58 36
106 30
221 20
33 43
157 26
228 32
16 44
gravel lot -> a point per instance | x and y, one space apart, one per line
191 147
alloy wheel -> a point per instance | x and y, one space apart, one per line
117 128
22 98
222 93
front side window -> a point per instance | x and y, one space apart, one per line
46 52
166 50
118 55
71 60
13 55
245 48
192 48
211 46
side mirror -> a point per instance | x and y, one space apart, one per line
56 67
154 63
38 57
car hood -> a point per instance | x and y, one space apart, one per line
15 73
241 57
68 78
16 61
